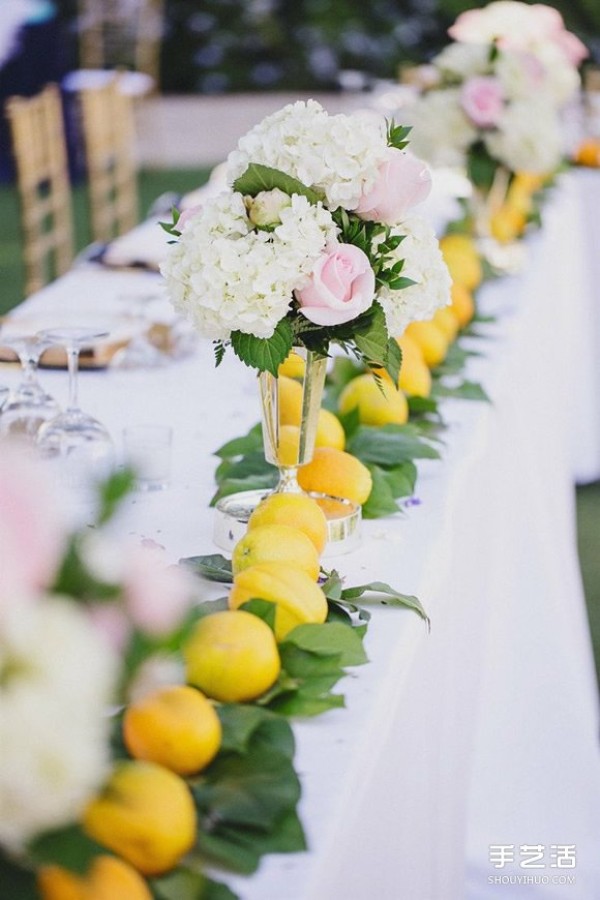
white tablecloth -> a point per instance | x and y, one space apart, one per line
484 732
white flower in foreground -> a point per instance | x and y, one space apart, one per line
463 60
337 155
57 678
225 277
441 131
425 265
528 138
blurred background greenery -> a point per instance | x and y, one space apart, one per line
219 46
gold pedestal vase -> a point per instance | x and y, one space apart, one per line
289 447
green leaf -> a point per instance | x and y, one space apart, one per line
466 390
252 465
332 586
328 638
113 491
391 597
372 343
68 847
247 790
242 445
393 359
253 482
305 705
240 722
262 609
390 445
214 567
264 354
186 884
259 178
16 882
422 405
381 501
350 421
401 479
241 849
75 580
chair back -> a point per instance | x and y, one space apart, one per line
109 137
121 33
39 147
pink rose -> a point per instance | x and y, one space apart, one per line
32 530
403 182
482 99
573 49
186 215
341 286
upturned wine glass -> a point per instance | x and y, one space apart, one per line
75 434
28 405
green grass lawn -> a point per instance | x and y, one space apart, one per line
151 185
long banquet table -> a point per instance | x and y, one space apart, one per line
483 732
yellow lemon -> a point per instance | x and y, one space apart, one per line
432 341
330 432
232 656
299 600
463 260
529 181
292 367
297 510
507 224
378 404
108 878
146 814
410 349
290 401
176 727
276 543
447 322
415 377
463 305
288 447
337 473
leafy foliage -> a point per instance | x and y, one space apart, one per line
259 178
265 354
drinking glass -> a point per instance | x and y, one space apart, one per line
28 406
140 352
73 433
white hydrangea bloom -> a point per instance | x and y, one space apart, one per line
425 264
528 137
460 61
58 678
441 132
336 155
225 277
561 80
513 73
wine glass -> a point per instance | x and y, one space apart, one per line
28 406
73 434
140 352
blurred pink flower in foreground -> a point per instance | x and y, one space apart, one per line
157 596
482 99
32 528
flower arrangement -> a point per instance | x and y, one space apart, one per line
498 92
314 243
84 621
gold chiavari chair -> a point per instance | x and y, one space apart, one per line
121 33
39 147
109 137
